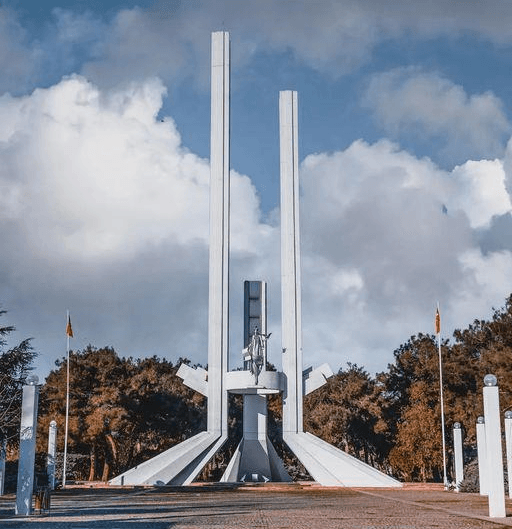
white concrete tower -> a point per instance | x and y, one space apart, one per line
327 465
218 305
290 263
182 463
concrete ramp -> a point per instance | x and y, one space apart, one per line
332 467
178 465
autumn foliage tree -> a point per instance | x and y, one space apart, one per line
124 411
346 412
121 410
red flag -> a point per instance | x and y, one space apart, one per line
69 330
437 322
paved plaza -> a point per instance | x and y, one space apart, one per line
256 506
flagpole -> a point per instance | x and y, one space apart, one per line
67 403
438 332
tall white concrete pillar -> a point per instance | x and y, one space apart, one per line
52 452
458 455
180 464
482 456
3 450
494 448
27 452
218 305
508 442
290 263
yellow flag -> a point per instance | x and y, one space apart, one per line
69 330
437 322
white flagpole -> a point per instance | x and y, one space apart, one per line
67 405
438 328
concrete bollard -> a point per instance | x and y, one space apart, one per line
27 455
483 469
508 444
458 455
494 448
52 450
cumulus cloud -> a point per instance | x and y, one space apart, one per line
485 279
386 235
104 211
479 189
408 101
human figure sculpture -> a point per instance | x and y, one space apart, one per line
254 353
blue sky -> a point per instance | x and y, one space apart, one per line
404 124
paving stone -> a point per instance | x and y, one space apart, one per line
296 506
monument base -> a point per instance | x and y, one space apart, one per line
332 467
178 465
257 461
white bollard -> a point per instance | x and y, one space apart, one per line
458 455
508 444
483 469
27 454
52 451
494 448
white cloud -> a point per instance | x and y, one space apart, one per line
406 100
487 281
373 215
107 177
479 190
333 37
133 44
105 212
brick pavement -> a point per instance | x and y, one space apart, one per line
273 506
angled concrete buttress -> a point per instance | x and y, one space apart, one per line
182 463
328 465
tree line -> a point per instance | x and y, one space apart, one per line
126 410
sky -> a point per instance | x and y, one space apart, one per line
405 170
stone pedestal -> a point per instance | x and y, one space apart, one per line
27 452
52 451
494 450
482 457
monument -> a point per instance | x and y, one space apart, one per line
255 458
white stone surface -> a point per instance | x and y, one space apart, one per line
218 301
52 451
315 378
182 463
483 468
494 452
332 467
458 456
27 452
195 378
508 444
255 460
170 467
242 382
326 464
290 263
